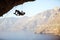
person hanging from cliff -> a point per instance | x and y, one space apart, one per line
18 13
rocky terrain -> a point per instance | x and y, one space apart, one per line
52 25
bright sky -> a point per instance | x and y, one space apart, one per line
33 8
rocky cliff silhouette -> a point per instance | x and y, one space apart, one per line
6 5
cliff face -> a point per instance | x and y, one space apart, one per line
52 25
6 5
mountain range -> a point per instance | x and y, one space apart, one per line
47 22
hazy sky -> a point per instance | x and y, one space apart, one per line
33 8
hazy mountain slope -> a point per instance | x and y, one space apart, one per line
52 26
39 19
19 25
7 23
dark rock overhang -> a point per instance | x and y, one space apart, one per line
6 5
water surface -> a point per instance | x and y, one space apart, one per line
25 35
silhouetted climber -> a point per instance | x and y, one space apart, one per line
18 13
